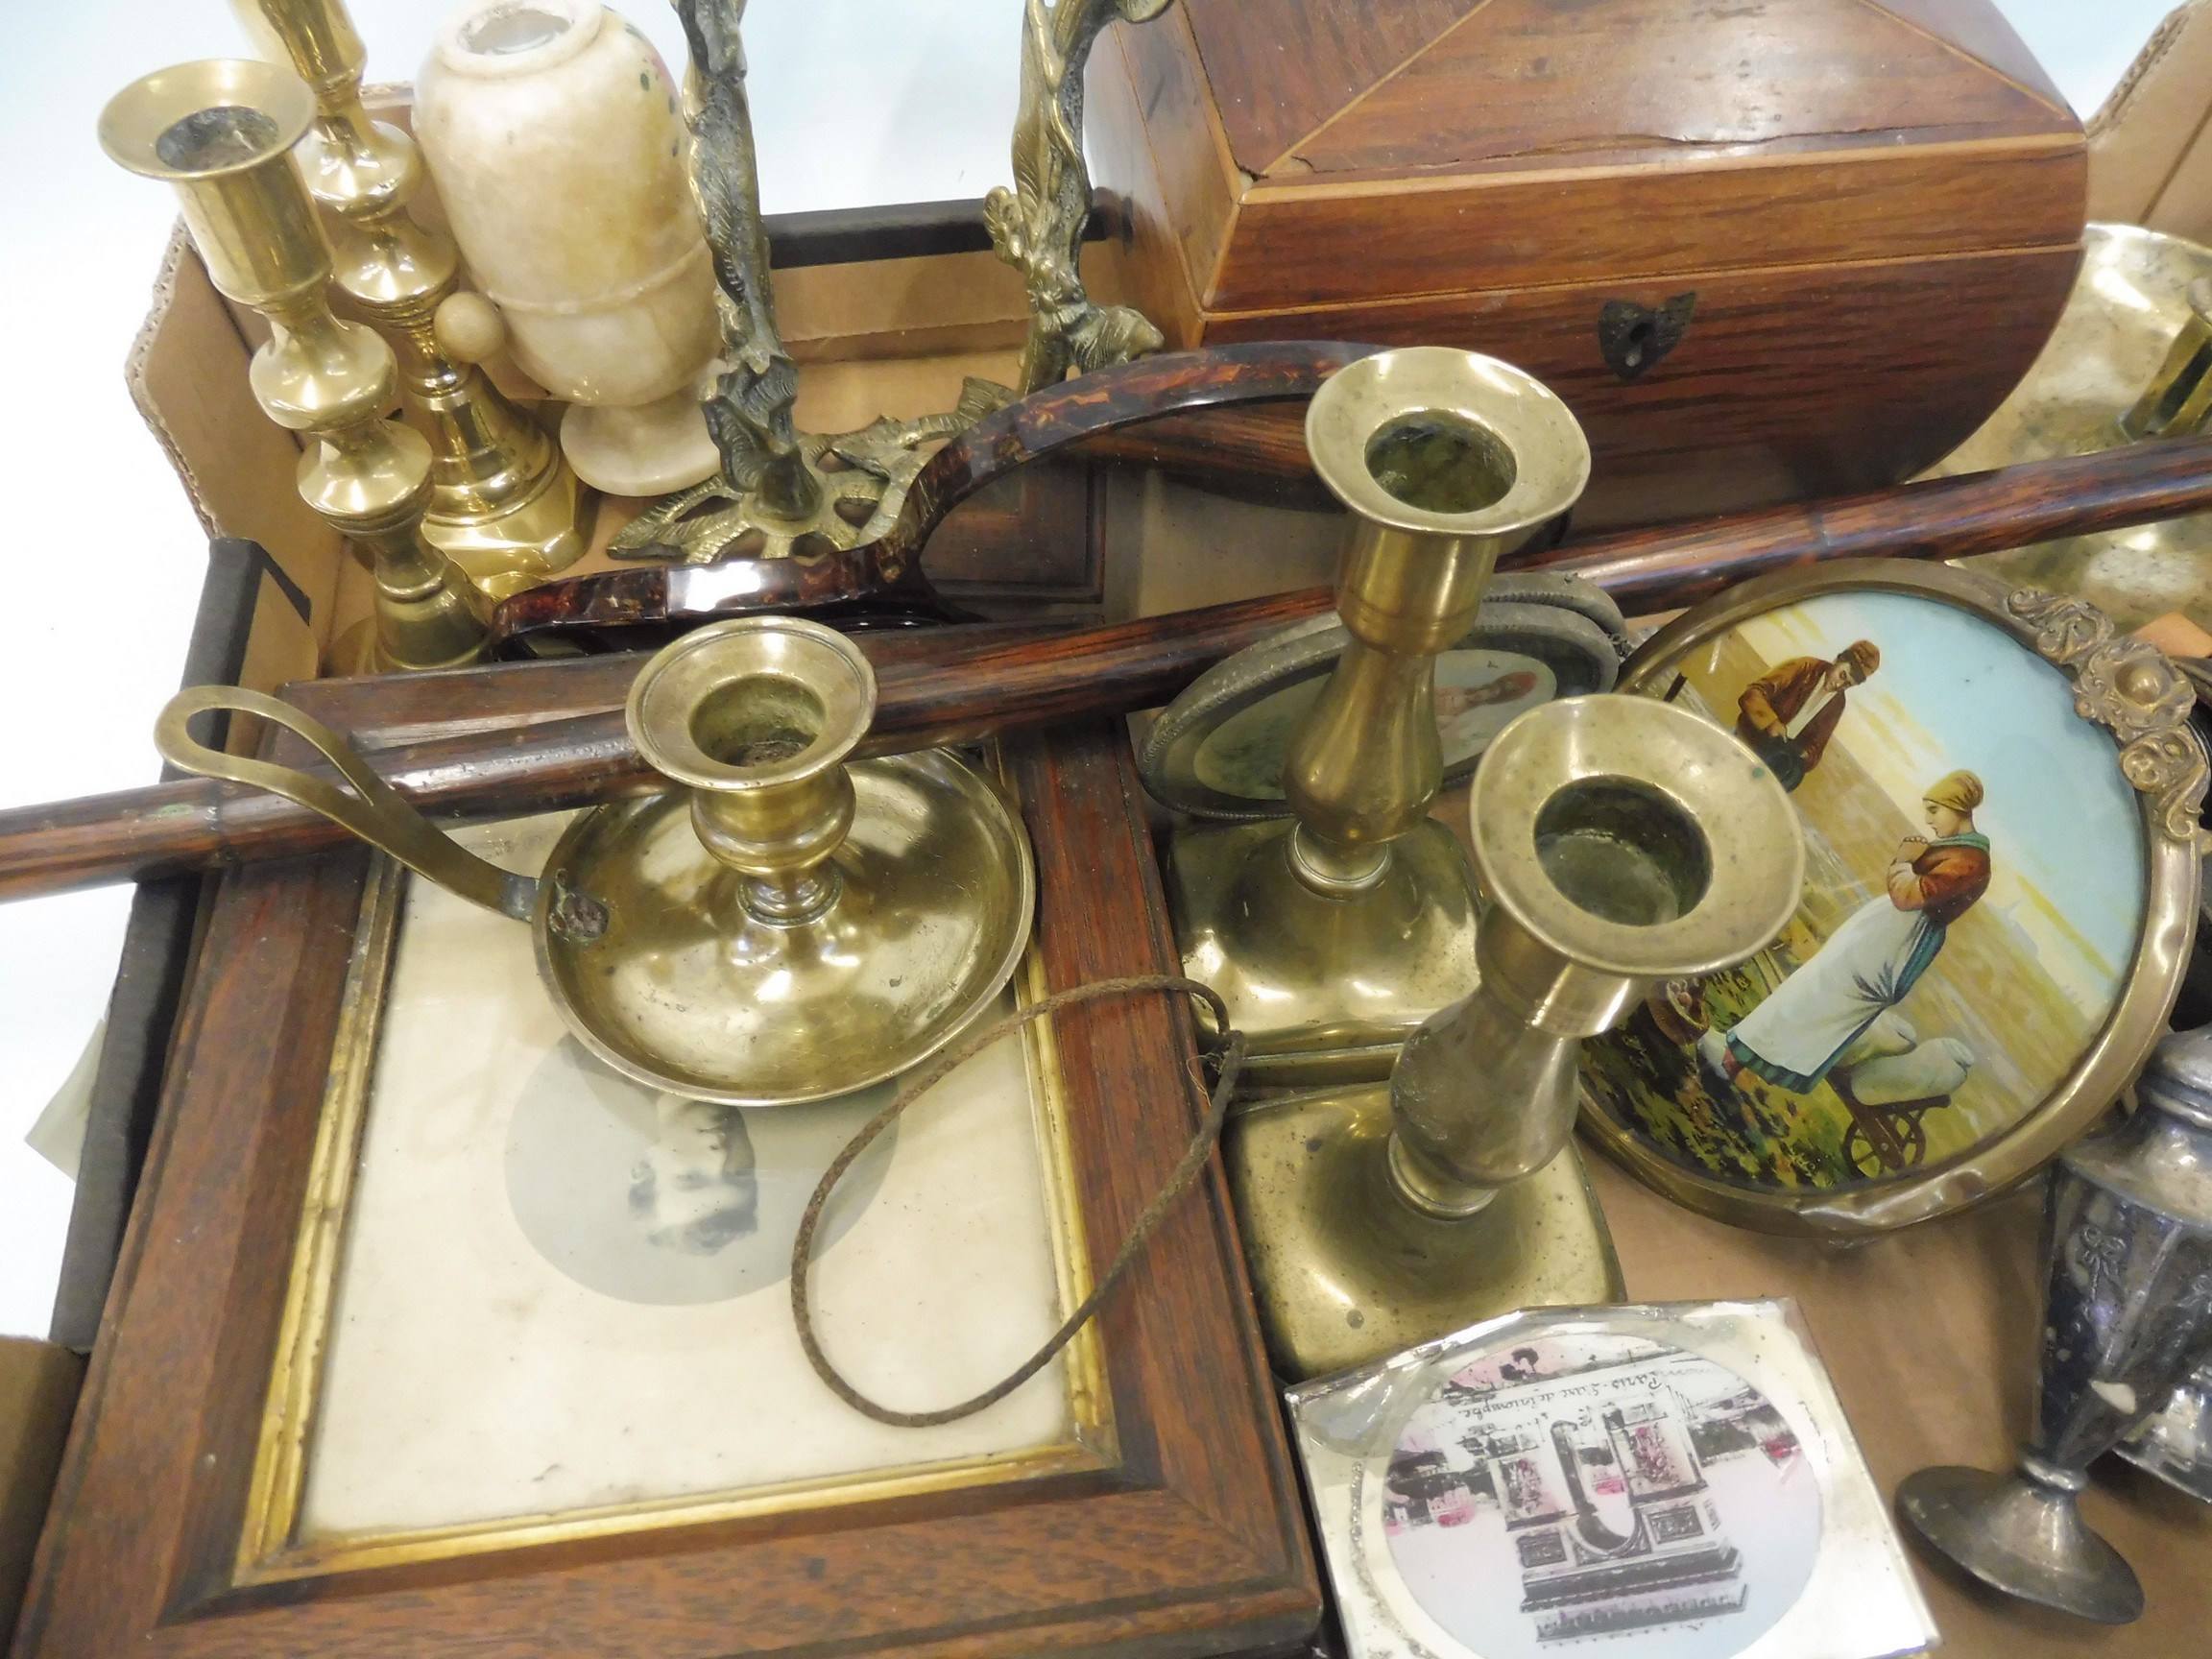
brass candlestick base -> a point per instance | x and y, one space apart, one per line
1622 840
1333 936
504 505
1346 1273
1334 983
222 133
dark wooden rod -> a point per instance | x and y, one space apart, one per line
955 684
1647 570
948 685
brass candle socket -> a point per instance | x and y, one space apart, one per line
784 924
1332 935
504 504
221 132
1622 841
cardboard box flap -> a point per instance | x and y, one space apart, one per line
2151 145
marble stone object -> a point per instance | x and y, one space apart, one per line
556 137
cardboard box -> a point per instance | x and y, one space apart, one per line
2151 145
1930 1335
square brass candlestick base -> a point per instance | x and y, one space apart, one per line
1346 1272
1325 989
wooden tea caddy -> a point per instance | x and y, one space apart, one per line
1764 252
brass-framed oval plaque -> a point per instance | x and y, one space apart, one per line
1999 797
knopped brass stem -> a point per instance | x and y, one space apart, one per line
221 132
504 504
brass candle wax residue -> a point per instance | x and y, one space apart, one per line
504 504
221 132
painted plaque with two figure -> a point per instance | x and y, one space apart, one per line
1999 801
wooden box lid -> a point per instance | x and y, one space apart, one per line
1332 151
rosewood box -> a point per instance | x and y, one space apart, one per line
1765 250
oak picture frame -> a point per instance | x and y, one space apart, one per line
1192 1542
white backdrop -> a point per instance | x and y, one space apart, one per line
855 102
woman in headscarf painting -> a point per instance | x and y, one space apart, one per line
1796 1034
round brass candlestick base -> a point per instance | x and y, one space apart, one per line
688 989
783 924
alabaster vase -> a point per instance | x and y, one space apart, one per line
557 141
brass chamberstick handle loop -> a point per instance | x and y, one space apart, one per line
371 808
1229 1047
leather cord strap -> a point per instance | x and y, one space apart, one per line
1231 1045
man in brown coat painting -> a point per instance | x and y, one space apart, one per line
1788 715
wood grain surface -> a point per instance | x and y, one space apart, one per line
1193 1545
1379 89
1877 208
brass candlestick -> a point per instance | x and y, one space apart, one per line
504 504
222 132
1622 841
782 924
1332 934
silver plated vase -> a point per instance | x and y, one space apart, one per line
2127 1314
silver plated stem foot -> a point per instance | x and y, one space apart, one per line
2022 1536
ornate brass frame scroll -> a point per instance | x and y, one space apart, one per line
2122 684
269 1548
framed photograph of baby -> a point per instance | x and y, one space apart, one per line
1999 797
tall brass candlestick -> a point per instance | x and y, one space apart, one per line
221 132
1622 841
1332 935
504 504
